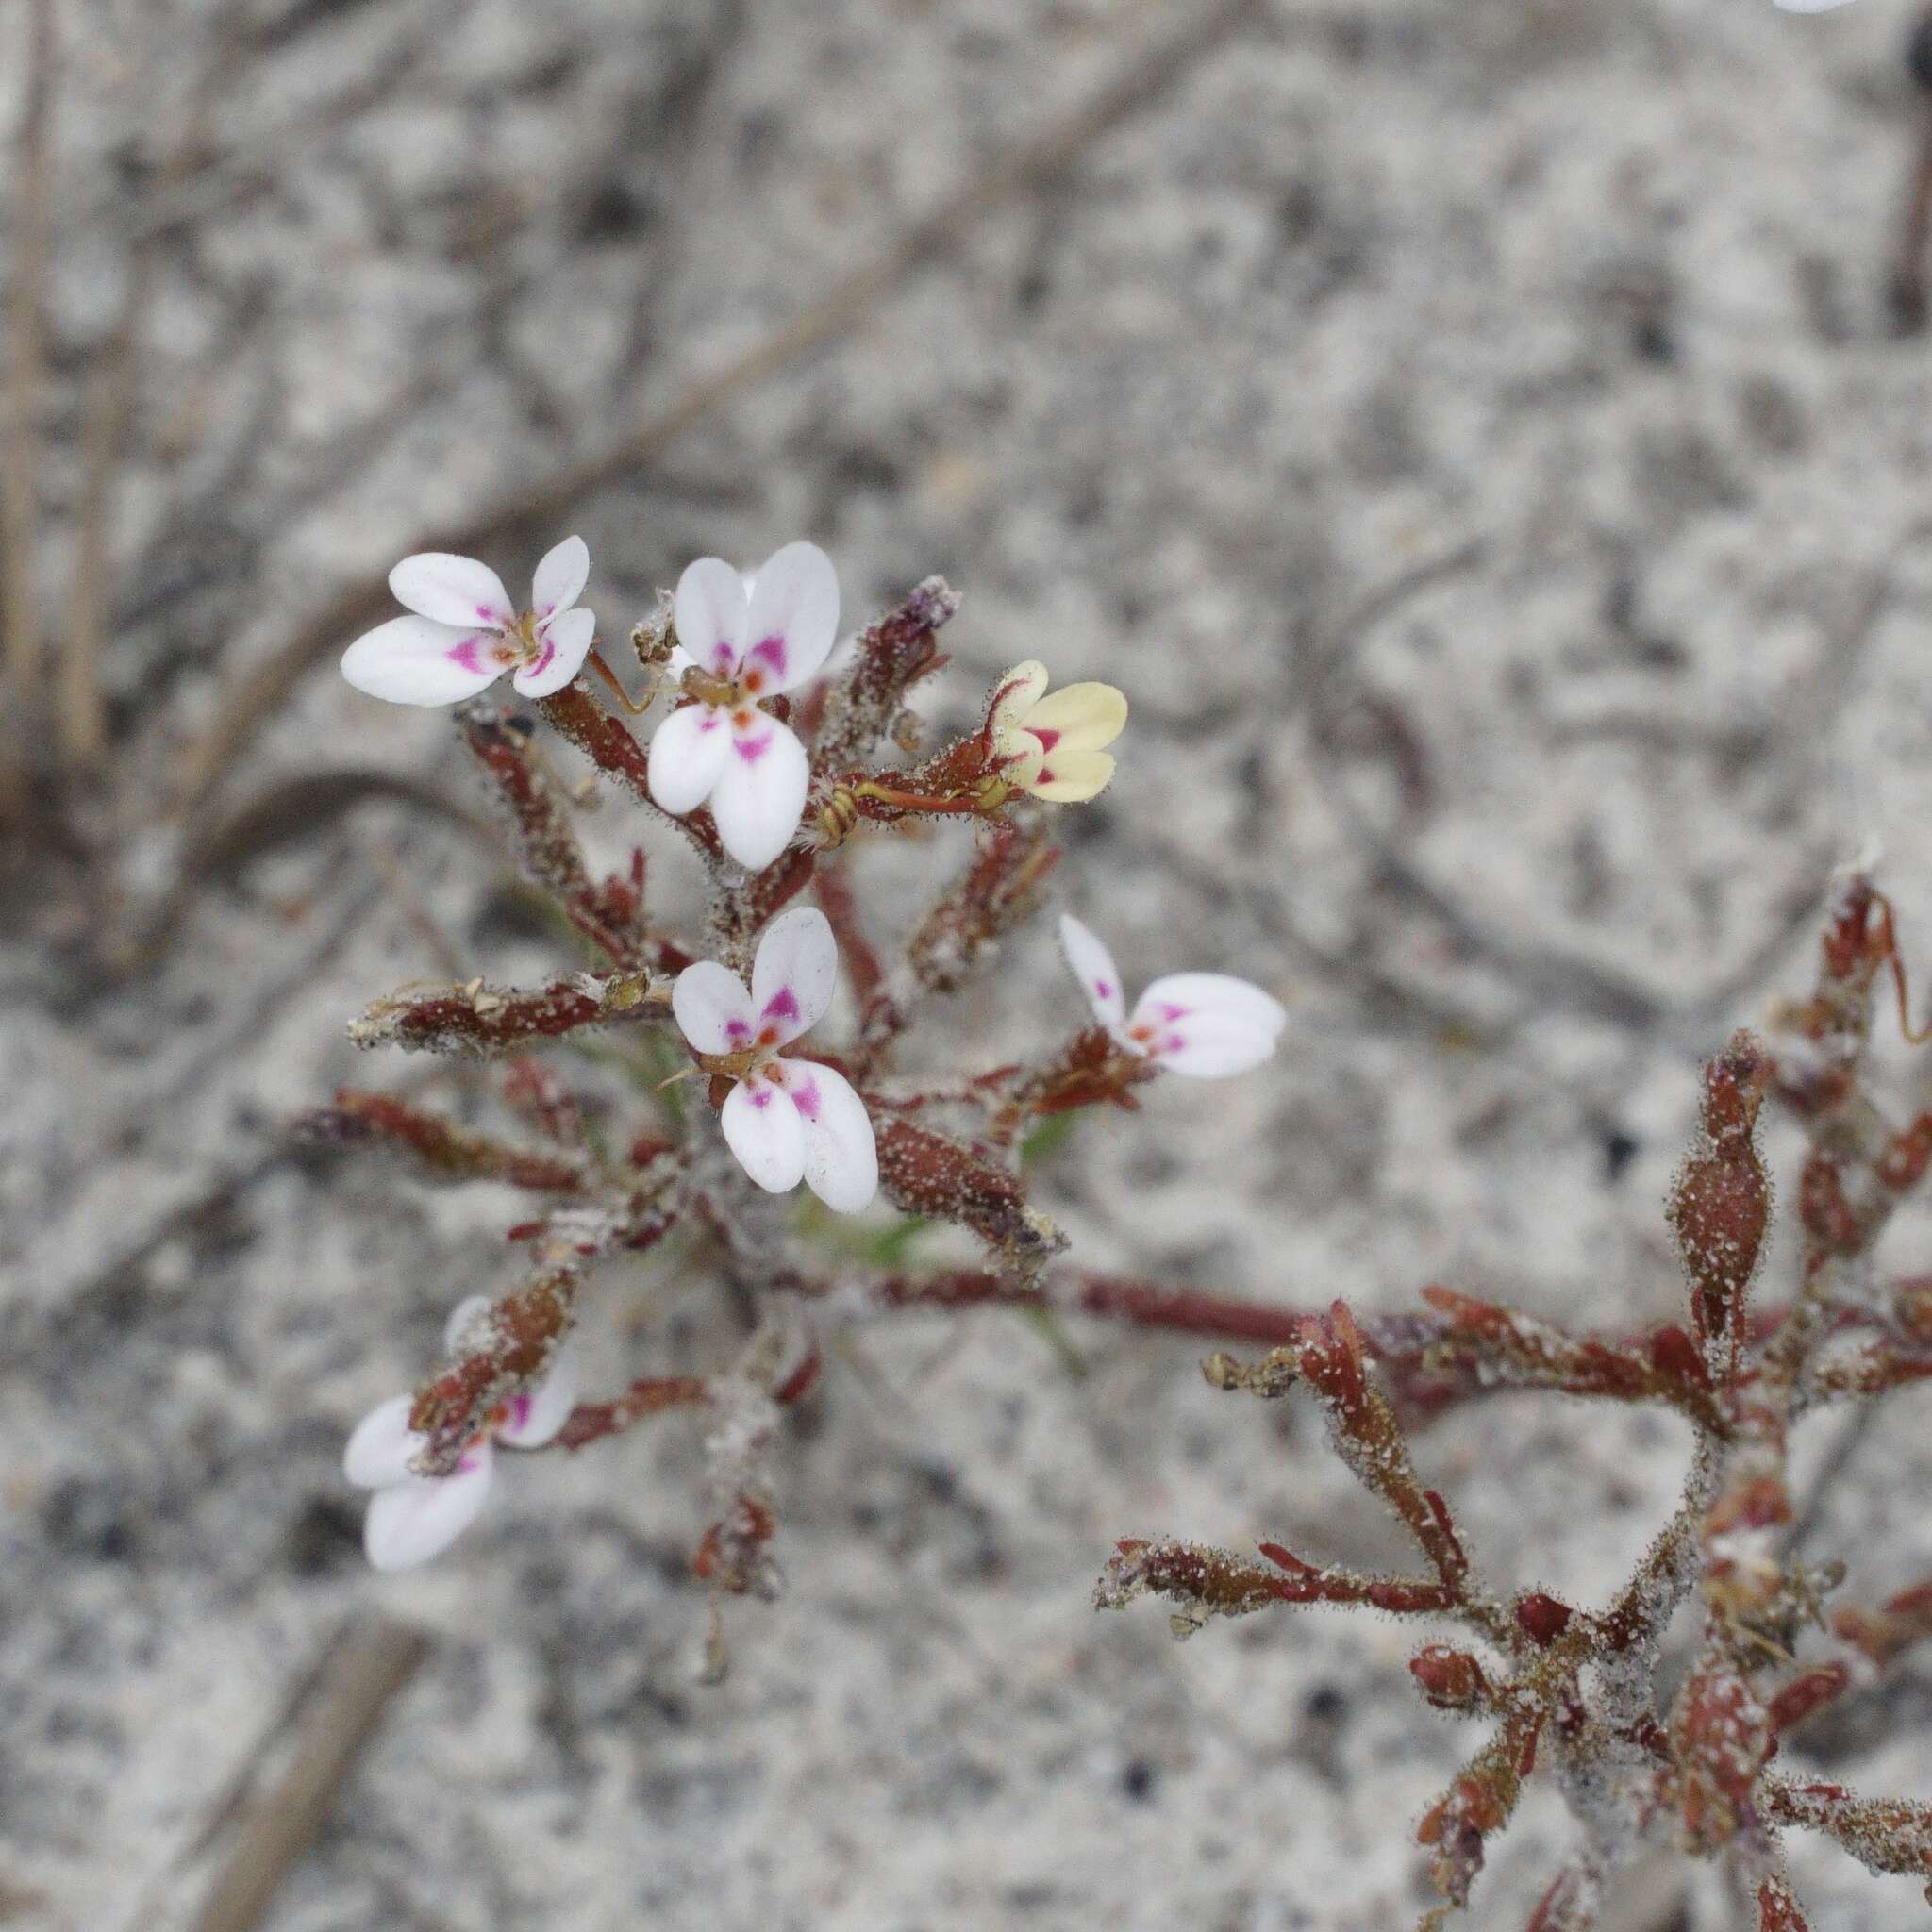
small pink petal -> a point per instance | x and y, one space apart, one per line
560 577
411 1522
794 607
711 1008
759 804
763 1130
452 589
687 753
1093 967
712 612
841 1161
796 970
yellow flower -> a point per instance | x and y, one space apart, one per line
1052 746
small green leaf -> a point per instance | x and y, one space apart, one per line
1048 1138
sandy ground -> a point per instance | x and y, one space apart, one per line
1583 302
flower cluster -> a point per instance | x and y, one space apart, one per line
756 758
764 763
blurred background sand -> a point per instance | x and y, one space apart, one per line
1478 435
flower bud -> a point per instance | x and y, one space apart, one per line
1451 1679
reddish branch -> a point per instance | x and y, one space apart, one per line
447 1150
591 1422
1739 1376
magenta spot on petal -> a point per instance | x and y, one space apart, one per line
542 662
488 615
1102 989
722 658
772 651
737 1029
468 1463
752 749
518 1411
783 1005
465 654
804 1097
709 721
761 1096
1170 1011
1048 739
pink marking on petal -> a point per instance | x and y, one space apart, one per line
722 658
772 651
490 616
465 654
518 1411
752 749
542 662
760 1097
737 1029
1102 989
709 721
1170 1011
468 1461
783 1005
804 1097
1048 739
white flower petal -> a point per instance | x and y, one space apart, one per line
560 577
452 589
712 1009
712 611
1093 967
462 1318
764 1131
414 660
382 1445
688 752
1212 1048
793 621
760 797
842 1157
566 641
1212 995
795 973
541 1410
411 1521
1209 1024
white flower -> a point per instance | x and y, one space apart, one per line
742 637
1053 747
1205 1025
786 1120
412 1518
466 633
